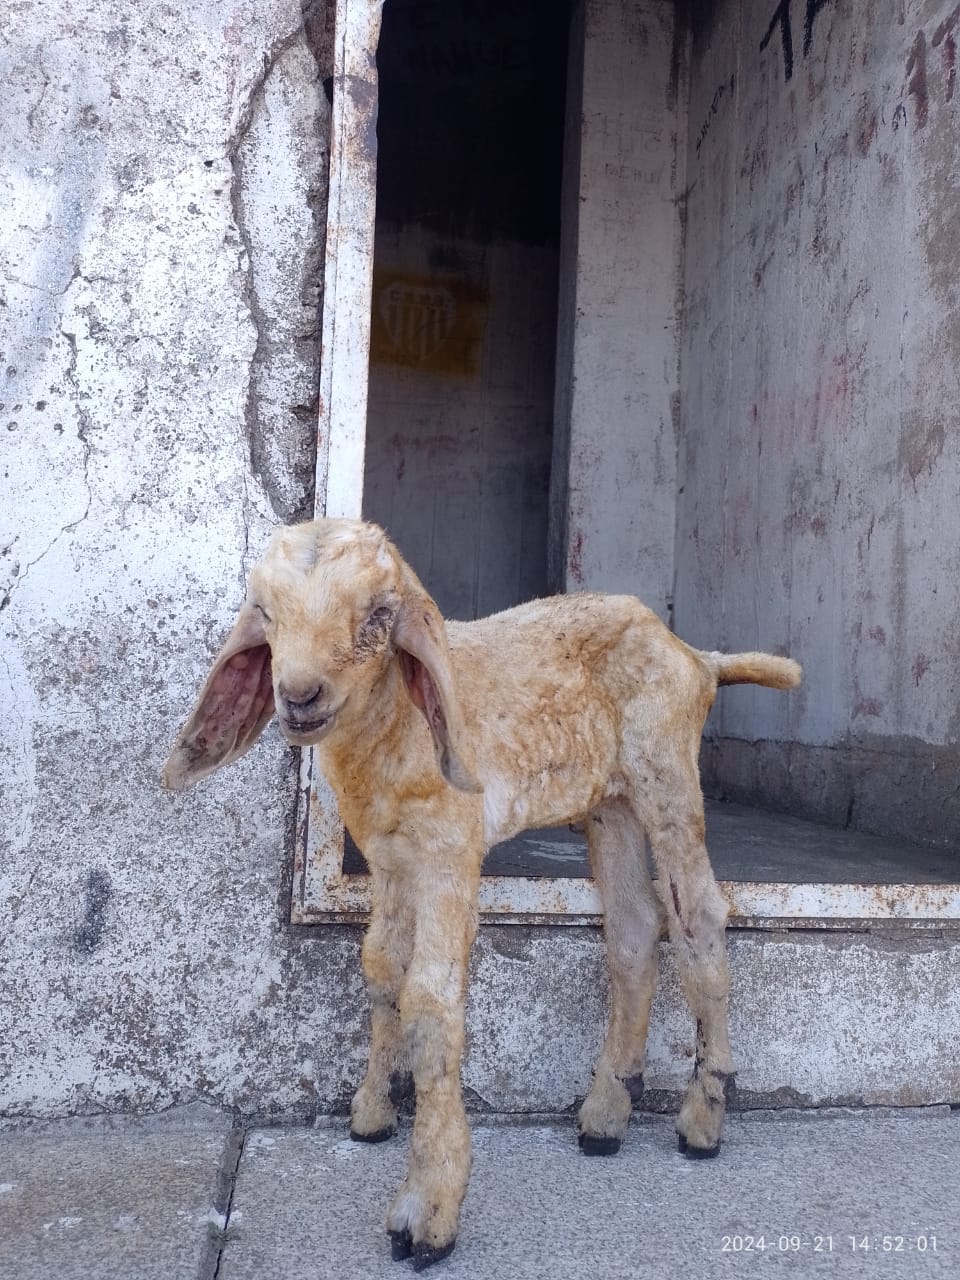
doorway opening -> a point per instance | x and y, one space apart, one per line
437 400
464 300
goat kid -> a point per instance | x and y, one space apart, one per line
440 740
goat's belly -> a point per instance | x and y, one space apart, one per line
547 799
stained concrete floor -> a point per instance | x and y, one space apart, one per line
840 1194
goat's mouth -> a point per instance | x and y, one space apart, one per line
310 731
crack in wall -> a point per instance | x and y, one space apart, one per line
282 461
248 294
43 92
84 425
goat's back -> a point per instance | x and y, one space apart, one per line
609 643
545 687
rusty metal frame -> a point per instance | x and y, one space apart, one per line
322 892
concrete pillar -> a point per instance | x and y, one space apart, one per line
614 493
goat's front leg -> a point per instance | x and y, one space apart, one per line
425 1214
387 947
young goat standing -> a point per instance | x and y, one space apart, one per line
440 740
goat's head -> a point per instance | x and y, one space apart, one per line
330 608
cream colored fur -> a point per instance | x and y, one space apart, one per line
442 739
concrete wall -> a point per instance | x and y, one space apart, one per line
617 403
163 171
819 465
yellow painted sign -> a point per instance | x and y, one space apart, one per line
429 322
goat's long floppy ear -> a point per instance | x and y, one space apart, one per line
420 637
232 710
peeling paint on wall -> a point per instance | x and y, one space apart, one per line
820 382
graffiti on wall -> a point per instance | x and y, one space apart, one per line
781 21
925 52
725 90
944 40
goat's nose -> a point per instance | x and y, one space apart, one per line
299 697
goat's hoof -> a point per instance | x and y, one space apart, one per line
634 1086
402 1091
425 1255
378 1135
401 1245
696 1153
592 1145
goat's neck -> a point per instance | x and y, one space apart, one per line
380 758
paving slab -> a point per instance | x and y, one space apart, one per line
121 1199
849 1195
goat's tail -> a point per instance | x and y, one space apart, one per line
755 668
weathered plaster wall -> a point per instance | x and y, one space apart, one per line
614 482
820 467
163 178
163 170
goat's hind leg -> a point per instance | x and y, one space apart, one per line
696 915
386 955
632 921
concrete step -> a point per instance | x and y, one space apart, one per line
865 1014
775 869
845 969
845 978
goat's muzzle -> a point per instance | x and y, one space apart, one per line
305 715
301 728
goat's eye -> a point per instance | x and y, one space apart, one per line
378 619
374 627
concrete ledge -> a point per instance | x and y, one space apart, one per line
893 786
817 1019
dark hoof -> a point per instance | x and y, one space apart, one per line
591 1145
402 1092
696 1153
401 1245
634 1086
425 1255
378 1135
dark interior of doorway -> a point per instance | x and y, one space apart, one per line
464 304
